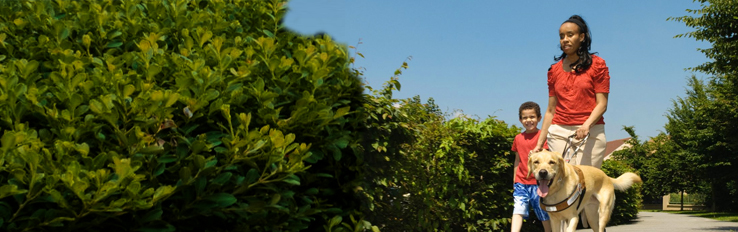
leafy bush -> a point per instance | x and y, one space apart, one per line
628 202
183 114
430 173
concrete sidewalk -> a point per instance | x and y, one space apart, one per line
669 222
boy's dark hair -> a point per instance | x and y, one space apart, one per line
529 106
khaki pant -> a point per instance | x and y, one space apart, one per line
592 153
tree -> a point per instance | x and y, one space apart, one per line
661 166
704 124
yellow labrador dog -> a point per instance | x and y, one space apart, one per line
566 190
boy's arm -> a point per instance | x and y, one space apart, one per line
515 166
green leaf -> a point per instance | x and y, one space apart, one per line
335 221
30 68
65 33
152 215
199 161
99 161
162 192
288 194
277 138
312 191
160 169
275 199
251 176
5 210
220 150
38 214
167 159
222 178
341 112
164 228
337 154
292 179
185 174
324 175
221 199
113 34
268 33
314 157
9 190
200 184
114 44
341 142
7 140
97 106
210 163
83 148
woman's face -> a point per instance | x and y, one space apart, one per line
570 38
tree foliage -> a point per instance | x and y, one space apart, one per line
703 124
662 166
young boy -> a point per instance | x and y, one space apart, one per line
525 192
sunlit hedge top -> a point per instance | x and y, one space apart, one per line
165 111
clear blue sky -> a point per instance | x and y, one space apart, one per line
487 57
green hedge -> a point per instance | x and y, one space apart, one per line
191 115
628 202
430 172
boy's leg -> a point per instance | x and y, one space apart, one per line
517 222
520 206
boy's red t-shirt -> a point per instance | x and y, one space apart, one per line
575 92
523 144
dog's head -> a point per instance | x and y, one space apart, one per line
545 166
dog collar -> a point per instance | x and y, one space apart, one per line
566 203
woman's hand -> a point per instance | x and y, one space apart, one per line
538 148
582 132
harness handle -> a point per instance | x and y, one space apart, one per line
567 156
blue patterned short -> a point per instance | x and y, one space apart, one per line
526 196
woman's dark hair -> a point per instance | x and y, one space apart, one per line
585 58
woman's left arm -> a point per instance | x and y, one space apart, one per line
595 116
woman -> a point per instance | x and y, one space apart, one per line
578 87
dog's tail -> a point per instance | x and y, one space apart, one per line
626 180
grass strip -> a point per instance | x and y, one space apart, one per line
720 216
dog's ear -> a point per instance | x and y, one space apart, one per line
530 164
561 163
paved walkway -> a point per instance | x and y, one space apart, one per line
669 222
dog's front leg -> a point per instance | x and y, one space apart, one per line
556 224
571 225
